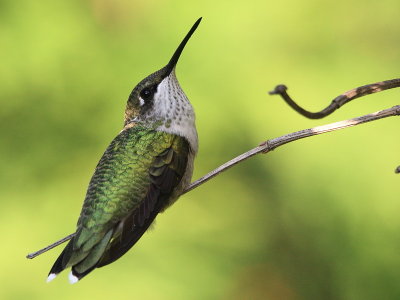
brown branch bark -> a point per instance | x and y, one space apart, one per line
339 101
271 144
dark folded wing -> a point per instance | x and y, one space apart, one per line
165 173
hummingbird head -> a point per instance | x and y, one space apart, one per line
158 100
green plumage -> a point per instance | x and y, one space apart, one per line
136 178
121 179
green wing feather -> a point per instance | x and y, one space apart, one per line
132 183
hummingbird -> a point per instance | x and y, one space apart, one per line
142 172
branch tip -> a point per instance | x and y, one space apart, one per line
279 90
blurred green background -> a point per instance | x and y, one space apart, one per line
315 219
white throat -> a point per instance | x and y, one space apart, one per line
172 105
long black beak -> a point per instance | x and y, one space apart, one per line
174 59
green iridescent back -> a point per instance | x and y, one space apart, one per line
122 179
133 181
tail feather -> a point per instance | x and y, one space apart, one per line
94 255
82 263
75 276
59 264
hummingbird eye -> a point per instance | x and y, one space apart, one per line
147 93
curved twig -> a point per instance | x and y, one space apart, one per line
339 101
266 147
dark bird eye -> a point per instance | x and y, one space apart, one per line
146 93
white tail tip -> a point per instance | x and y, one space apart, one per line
51 277
72 278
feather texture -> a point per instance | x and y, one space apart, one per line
139 175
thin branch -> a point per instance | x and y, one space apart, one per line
339 101
266 147
49 247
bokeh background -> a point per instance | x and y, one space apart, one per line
315 219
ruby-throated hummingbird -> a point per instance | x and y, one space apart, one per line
143 171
